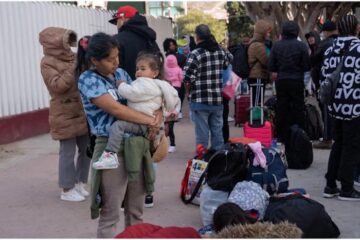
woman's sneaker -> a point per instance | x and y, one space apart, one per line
72 195
80 187
331 192
107 160
149 201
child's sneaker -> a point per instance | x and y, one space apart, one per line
172 149
149 201
107 160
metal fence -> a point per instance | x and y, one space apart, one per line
21 85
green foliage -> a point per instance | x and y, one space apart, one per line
240 25
187 24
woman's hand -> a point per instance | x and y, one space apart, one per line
154 127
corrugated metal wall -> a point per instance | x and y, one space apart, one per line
21 85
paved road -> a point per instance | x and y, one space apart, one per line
31 207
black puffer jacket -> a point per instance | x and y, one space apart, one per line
133 37
289 57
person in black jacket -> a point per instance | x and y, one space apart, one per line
134 36
289 59
330 33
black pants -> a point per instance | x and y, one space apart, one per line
290 107
171 133
225 128
181 93
345 154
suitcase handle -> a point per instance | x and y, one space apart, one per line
259 94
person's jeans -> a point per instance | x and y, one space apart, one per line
208 121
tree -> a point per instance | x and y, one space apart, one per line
187 24
240 25
306 14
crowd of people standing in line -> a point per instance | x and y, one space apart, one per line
93 93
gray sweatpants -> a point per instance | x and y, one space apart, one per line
69 171
117 131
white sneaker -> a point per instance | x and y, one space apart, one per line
172 149
80 187
180 115
72 195
230 119
107 160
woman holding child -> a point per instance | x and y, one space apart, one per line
103 106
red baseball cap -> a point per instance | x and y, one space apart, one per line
124 12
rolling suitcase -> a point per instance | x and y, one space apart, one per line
257 128
242 104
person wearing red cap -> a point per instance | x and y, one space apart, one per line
134 36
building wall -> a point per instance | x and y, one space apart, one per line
24 98
140 6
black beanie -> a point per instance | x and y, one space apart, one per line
347 25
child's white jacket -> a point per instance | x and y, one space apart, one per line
147 95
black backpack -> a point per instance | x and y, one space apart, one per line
309 215
313 123
240 61
298 149
227 167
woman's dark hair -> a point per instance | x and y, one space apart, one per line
81 65
98 46
166 44
156 62
229 214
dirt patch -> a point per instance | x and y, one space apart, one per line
8 152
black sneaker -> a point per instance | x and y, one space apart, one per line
331 192
350 196
149 201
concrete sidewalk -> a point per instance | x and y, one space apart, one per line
31 205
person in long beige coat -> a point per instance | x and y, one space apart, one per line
66 115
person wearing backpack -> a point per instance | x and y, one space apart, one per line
240 64
345 110
258 57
